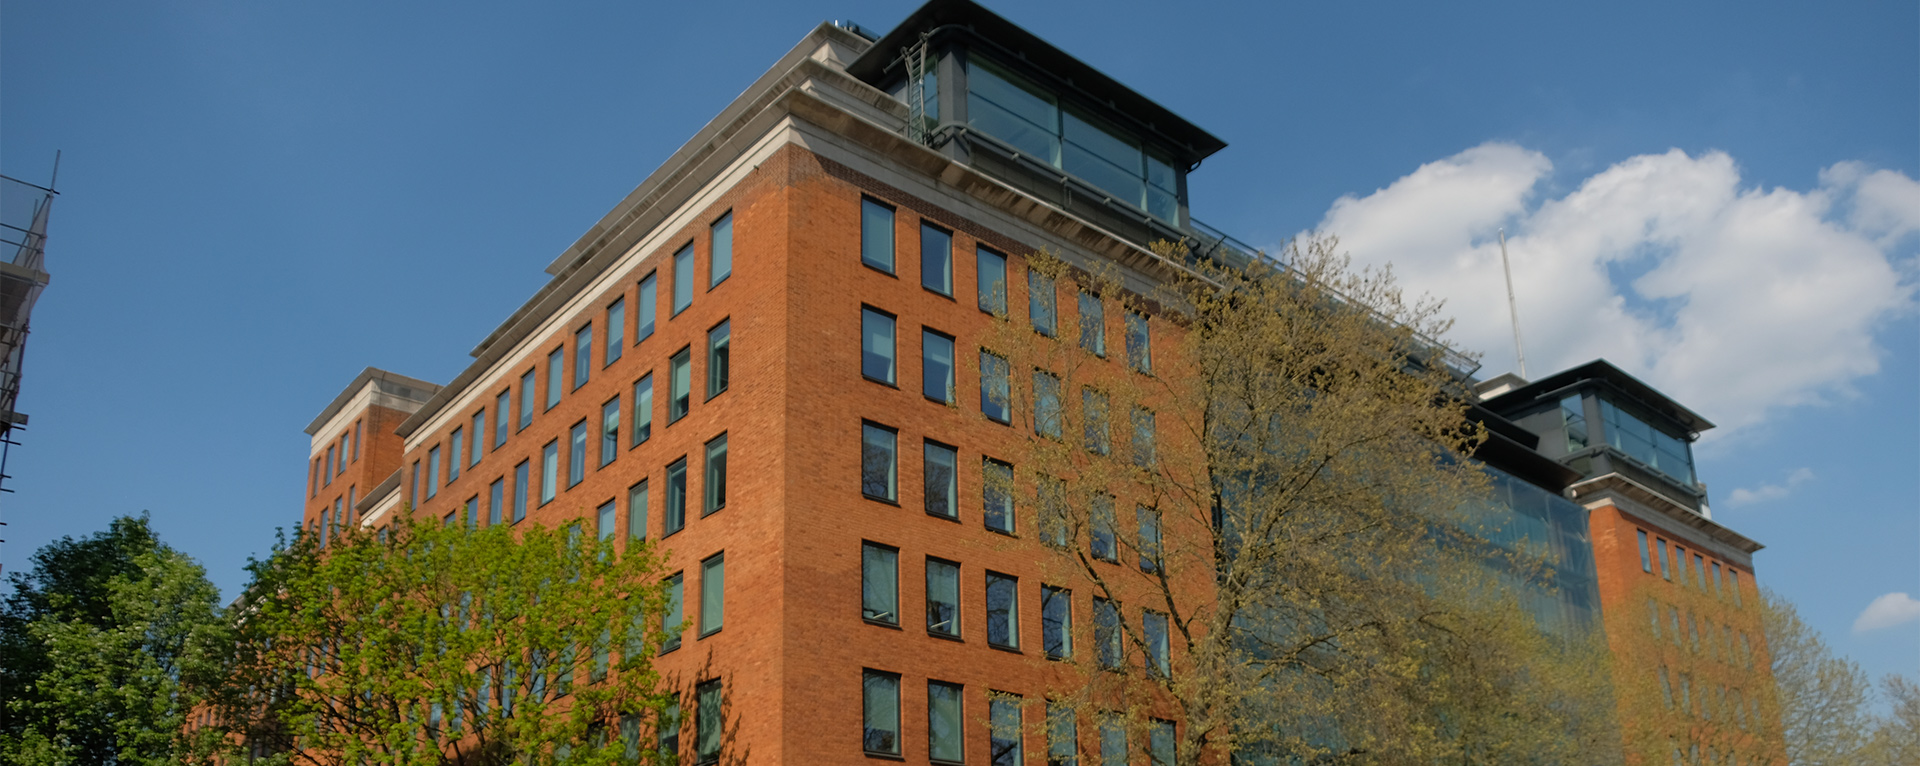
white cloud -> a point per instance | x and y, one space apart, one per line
1737 301
1887 611
1743 496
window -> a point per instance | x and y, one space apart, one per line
706 747
880 719
522 489
720 251
936 366
356 439
455 443
577 453
1149 521
642 427
669 732
1673 613
1666 688
326 469
1040 303
876 345
609 431
1160 743
637 511
606 523
670 618
1153 627
555 371
1733 581
496 500
1047 414
719 357
996 483
1661 546
582 355
676 497
943 598
1139 343
716 479
1105 543
996 388
433 471
1003 722
1653 615
1648 444
879 463
1717 591
876 235
1680 563
1113 741
1093 324
1646 556
713 586
679 385
526 400
1063 738
991 277
936 260
1143 437
549 471
474 442
1056 622
946 723
1051 499
1106 634
1093 414
683 279
1003 611
616 332
1699 572
879 584
646 309
942 476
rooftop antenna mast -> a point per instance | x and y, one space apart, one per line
1512 308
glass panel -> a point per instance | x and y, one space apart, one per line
1003 719
1011 92
670 618
1124 186
943 598
554 376
879 463
616 331
637 511
721 262
719 357
1093 413
642 428
1113 741
526 399
996 388
879 586
707 746
1063 739
1056 622
1154 626
455 444
496 501
1100 143
582 355
876 346
990 272
609 431
936 366
1161 743
1046 405
502 412
676 517
942 477
433 472
549 471
1143 438
1160 173
876 235
1149 521
1040 303
881 716
646 310
713 586
936 260
680 383
606 524
997 491
577 453
945 726
475 442
683 279
521 490
1106 633
716 478
1003 611
1093 324
1104 544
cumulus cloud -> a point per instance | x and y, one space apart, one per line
1743 496
1737 301
1887 611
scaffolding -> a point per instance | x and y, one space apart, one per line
24 208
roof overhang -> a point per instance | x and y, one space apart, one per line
1602 371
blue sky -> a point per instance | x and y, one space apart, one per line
259 199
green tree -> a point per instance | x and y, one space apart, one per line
95 642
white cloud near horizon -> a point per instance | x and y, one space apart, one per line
1887 611
1735 300
1766 492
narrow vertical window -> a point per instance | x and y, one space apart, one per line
616 332
582 355
942 477
1106 634
577 453
609 431
1660 545
676 515
1143 437
936 366
683 279
326 469
879 584
1699 572
1093 324
1105 544
526 400
522 489
1139 343
1160 742
1153 629
606 521
1653 616
996 388
946 723
455 444
1680 562
668 743
1666 688
670 617
943 598
720 251
713 587
876 345
433 471
1056 622
1733 578
719 357
1003 611
879 462
1646 556
475 442
1063 736
876 235
1051 517
706 748
496 500
1093 415
880 718
1040 303
1113 741
646 309
356 439
991 279
556 369
1047 415
642 427
637 511
679 385
415 492
996 483
549 471
716 476
1717 590
1149 521
1004 735
936 260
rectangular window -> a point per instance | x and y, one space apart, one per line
670 618
943 598
1003 611
716 478
1673 614
474 441
526 400
1153 627
991 279
582 355
1149 521
642 426
606 521
1105 543
1653 615
936 260
433 471
876 235
1093 414
719 357
676 517
669 733
502 410
1051 516
1699 572
549 471
1106 634
1139 343
996 388
1113 740
1040 303
942 476
996 483
683 279
637 511
356 439
496 500
1056 622
1005 733
679 385
1063 737
1660 545
1717 592
946 723
876 345
616 332
1680 562
609 431
577 453
1646 556
713 587
706 747
556 373
522 489
1160 742
879 462
936 366
1733 580
1093 324
455 443
1143 437
646 309
326 469
720 251
879 584
1047 416
880 717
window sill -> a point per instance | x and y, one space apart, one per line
946 637
885 756
715 631
881 500
1005 532
948 296
944 517
1007 649
941 402
712 511
712 395
642 441
878 268
880 624
871 379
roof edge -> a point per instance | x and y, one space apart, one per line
360 381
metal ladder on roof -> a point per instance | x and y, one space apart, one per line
916 91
